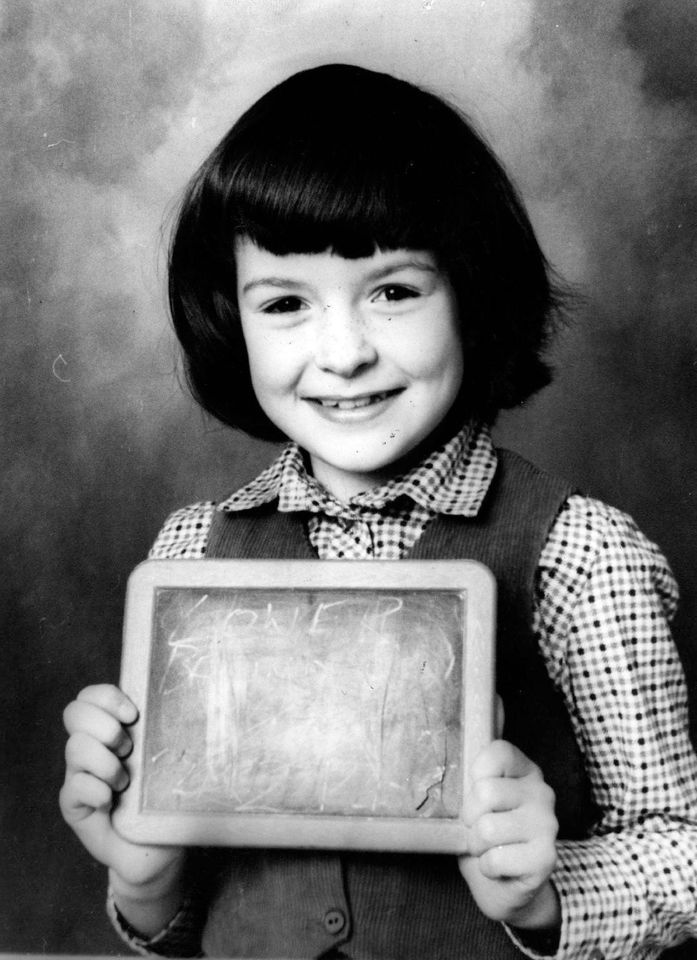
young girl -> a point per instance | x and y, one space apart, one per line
352 271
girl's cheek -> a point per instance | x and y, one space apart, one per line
264 353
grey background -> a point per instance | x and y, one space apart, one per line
106 108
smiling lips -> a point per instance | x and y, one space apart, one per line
353 403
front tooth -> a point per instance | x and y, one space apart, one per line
353 404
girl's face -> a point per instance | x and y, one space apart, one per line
358 361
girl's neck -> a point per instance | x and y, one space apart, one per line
344 486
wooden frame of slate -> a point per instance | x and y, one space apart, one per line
333 704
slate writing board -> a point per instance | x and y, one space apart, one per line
332 704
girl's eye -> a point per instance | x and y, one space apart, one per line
283 305
395 292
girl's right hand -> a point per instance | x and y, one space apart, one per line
98 742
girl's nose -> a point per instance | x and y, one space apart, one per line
343 344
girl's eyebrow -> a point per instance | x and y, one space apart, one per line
398 265
378 274
284 282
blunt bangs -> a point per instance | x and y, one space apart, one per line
311 209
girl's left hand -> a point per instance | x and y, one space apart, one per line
512 834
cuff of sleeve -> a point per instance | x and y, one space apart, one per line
601 913
541 944
536 944
174 940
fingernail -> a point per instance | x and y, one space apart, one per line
124 748
123 782
127 712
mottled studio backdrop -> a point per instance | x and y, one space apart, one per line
107 106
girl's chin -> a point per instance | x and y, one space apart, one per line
355 474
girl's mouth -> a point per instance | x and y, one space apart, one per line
353 403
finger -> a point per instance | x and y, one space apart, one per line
518 861
83 717
81 795
500 795
502 759
494 830
493 795
110 698
526 824
85 754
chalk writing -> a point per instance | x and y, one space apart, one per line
321 701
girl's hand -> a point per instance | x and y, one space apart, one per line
510 813
98 742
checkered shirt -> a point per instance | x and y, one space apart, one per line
604 599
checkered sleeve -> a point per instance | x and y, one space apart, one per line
180 938
185 533
605 596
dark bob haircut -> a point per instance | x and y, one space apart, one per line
343 158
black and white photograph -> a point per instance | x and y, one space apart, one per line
349 479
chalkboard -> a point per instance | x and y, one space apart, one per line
307 704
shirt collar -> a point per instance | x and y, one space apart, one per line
453 479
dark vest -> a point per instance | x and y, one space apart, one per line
397 906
